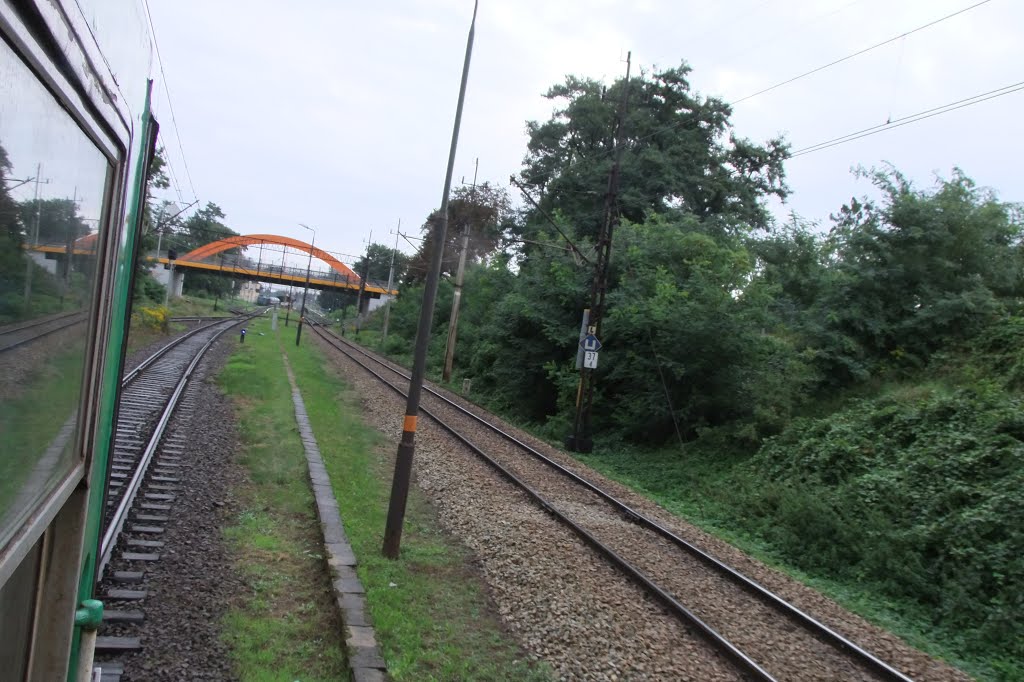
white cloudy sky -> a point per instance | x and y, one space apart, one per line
338 114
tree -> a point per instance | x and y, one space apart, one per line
202 227
12 260
156 221
334 299
486 210
918 269
379 257
680 153
58 220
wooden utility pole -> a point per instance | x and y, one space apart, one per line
580 440
453 322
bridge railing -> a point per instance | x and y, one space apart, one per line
257 270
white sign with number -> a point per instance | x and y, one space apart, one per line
590 359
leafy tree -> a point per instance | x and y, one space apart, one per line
379 257
12 261
917 270
58 220
158 219
333 299
485 210
157 176
202 227
680 153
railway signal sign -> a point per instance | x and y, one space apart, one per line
590 344
590 359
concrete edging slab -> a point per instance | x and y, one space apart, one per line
364 658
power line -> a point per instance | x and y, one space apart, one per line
673 126
912 118
174 176
858 53
170 103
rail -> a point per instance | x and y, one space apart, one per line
808 621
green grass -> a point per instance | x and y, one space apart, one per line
31 419
286 628
141 335
435 623
45 298
186 306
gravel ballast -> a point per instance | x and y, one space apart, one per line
192 585
572 609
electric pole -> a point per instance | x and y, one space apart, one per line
581 440
69 246
391 282
407 446
453 322
35 239
305 292
362 283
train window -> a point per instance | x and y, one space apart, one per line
52 180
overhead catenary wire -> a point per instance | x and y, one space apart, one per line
170 103
175 184
606 152
857 53
907 120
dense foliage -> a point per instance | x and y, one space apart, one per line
46 221
860 382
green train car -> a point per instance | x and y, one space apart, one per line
76 136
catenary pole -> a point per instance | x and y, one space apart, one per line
362 283
391 282
288 310
453 321
35 242
305 292
407 446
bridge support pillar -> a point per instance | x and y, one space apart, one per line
171 279
177 283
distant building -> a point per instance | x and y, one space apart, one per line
249 291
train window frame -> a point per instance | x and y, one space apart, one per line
105 127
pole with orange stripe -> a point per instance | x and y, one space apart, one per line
406 447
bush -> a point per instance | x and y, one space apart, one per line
917 491
155 318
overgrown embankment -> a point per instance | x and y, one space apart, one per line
847 402
904 504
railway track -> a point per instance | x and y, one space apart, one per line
20 334
765 636
145 473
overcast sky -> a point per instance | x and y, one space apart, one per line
339 114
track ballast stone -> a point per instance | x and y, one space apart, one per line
191 587
442 469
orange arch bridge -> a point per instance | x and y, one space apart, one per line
341 277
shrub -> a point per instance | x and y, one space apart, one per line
156 317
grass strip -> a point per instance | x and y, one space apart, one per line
286 629
430 609
31 419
